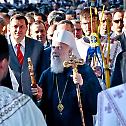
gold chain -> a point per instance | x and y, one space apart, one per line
60 106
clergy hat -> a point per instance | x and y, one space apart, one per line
67 38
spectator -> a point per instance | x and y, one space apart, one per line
38 32
18 55
77 28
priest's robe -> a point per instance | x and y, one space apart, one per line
70 115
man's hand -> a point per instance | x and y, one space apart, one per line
77 78
97 71
37 92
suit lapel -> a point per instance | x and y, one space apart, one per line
28 50
13 58
14 64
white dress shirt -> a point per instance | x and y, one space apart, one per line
14 45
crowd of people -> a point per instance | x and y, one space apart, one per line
62 96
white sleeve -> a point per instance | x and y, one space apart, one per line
26 113
32 115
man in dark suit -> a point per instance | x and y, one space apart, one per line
19 72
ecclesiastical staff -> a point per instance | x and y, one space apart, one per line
74 62
31 72
36 90
33 80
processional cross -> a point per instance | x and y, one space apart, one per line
74 62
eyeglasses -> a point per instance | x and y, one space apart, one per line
117 21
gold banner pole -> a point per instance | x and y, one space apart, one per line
107 70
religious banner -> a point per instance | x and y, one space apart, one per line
111 107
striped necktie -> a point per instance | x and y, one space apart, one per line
19 54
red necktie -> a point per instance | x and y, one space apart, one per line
19 54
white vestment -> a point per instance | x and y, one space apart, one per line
115 49
82 48
18 109
111 107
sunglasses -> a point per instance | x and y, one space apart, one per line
117 21
103 21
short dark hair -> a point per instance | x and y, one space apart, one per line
18 17
86 10
44 18
4 49
67 22
38 23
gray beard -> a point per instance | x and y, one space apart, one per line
56 65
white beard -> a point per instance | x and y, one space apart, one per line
56 65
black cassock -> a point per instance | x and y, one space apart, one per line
70 115
119 74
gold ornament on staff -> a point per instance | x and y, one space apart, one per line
74 62
31 72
